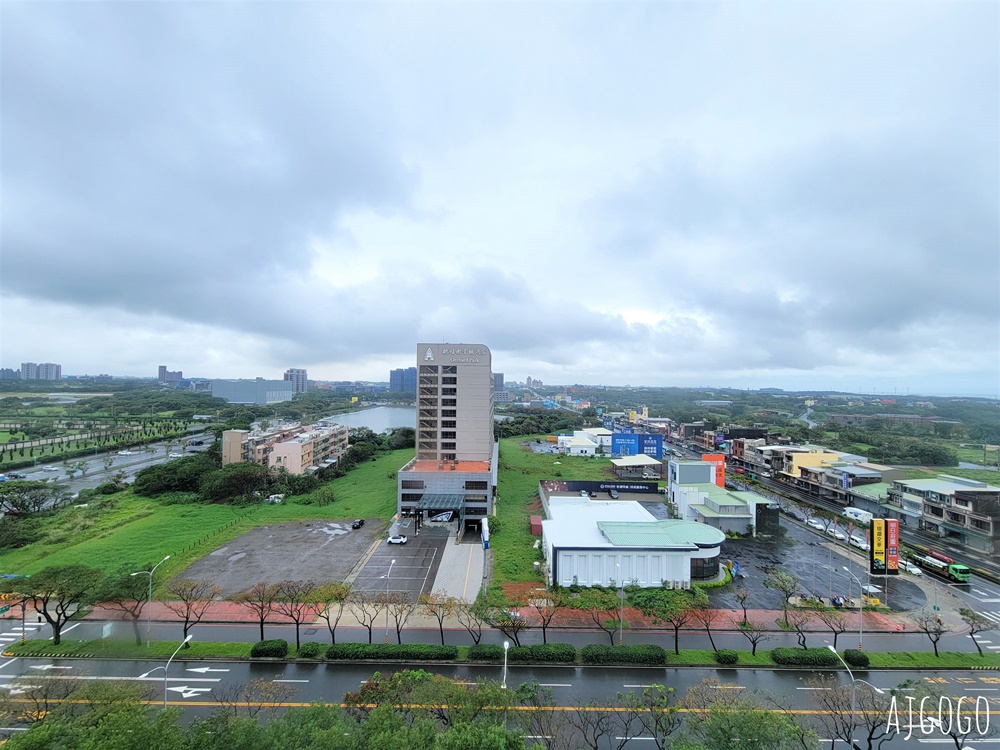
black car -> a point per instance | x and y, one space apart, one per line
358 523
14 475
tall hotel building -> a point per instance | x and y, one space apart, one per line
455 467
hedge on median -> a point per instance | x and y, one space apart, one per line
727 656
485 652
277 648
856 658
311 650
391 651
539 653
804 657
646 654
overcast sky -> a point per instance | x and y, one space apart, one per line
802 195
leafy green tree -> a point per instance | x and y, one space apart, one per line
22 498
126 593
57 592
240 481
785 584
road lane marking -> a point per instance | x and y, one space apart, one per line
555 684
8 662
635 686
66 630
727 687
289 680
813 688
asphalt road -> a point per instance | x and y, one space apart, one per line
198 687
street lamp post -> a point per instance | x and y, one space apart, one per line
387 601
621 605
149 600
506 645
854 689
167 668
861 615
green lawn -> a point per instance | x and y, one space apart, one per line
520 471
124 529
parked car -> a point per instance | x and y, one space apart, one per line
358 523
837 534
816 524
614 494
859 543
397 539
797 514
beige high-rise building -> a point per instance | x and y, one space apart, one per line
455 464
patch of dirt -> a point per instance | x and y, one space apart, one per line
300 550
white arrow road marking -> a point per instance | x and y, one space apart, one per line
48 666
189 692
205 669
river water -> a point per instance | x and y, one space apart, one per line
380 418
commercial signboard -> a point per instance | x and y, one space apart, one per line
884 555
628 443
892 546
718 460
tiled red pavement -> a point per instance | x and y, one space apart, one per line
217 612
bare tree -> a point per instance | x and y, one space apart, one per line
657 712
835 620
190 600
504 616
401 606
547 607
800 621
594 723
292 599
31 700
849 709
330 600
365 607
259 599
252 697
932 626
468 616
743 596
542 720
440 606
754 632
706 618
977 624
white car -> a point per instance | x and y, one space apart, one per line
397 539
912 569
175 455
836 533
50 468
859 543
816 524
125 453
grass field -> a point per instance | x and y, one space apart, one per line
520 472
124 529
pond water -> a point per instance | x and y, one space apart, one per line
380 418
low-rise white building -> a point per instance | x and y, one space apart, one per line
600 542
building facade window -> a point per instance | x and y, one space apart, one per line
412 484
476 485
702 568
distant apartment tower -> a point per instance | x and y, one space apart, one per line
403 380
168 377
497 382
298 378
8 373
456 461
260 392
44 371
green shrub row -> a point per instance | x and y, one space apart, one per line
648 654
486 651
391 651
277 648
856 658
311 650
804 657
727 656
557 653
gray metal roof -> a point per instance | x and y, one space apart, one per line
441 502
